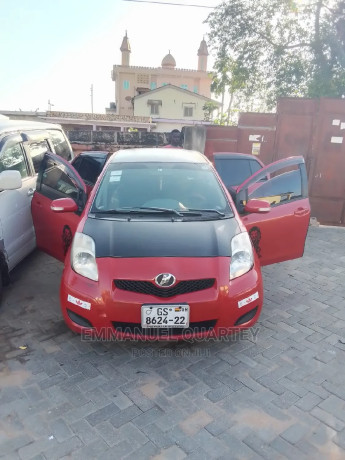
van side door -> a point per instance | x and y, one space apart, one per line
17 232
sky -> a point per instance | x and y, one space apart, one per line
54 50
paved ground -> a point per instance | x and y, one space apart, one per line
274 392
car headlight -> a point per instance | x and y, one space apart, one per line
83 256
241 255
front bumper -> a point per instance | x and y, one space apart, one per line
108 312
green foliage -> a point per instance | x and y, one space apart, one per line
209 108
273 48
221 120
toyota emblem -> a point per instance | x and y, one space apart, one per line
165 280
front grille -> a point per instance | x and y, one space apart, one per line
146 287
136 329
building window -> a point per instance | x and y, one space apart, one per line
143 79
154 109
195 89
188 111
153 85
184 86
154 106
125 84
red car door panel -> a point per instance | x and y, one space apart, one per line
279 234
54 231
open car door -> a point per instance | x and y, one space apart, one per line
54 230
275 209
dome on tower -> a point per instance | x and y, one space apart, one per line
168 61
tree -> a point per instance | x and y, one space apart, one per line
208 109
229 79
273 48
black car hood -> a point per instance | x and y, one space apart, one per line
142 238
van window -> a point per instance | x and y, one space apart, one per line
61 145
37 151
12 157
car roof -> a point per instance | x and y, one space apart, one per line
243 156
94 153
24 125
169 155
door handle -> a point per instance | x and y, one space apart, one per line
31 191
301 211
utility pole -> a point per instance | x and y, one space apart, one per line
91 94
50 105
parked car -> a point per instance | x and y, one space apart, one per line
235 168
158 249
23 145
90 164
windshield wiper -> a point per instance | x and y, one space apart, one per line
140 209
222 214
163 210
148 210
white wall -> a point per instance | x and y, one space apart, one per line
173 103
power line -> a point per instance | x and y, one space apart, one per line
169 3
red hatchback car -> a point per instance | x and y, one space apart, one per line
159 249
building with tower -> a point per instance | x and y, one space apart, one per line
133 82
147 99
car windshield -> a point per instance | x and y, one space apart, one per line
173 189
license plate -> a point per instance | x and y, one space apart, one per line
165 316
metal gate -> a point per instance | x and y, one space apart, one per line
314 128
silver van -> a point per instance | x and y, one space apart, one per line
22 148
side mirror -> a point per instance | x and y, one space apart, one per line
64 205
259 206
10 180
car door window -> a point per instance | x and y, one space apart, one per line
56 183
13 157
280 189
286 182
36 152
61 145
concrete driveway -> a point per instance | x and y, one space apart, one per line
276 391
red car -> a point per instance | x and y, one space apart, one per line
159 249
